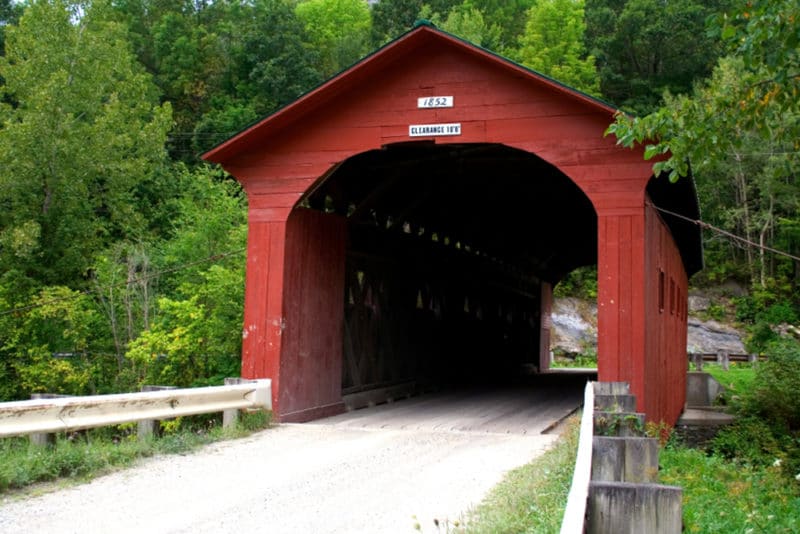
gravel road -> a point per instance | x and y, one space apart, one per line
342 475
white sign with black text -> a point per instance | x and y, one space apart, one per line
427 130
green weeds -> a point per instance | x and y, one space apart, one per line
84 455
724 496
532 497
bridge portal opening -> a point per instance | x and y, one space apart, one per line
452 252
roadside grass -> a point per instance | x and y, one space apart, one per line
738 380
82 456
531 498
725 496
575 361
747 480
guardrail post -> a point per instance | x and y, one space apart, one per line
149 427
697 360
44 439
229 417
723 360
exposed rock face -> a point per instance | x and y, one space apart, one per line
711 336
575 330
574 326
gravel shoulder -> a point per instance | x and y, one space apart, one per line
291 478
379 470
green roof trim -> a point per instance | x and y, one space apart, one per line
423 22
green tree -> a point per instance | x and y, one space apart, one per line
739 130
85 128
508 16
266 63
50 346
644 47
553 44
194 336
392 18
466 21
9 14
338 29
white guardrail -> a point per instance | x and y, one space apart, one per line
74 413
575 511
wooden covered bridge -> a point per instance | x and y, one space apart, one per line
409 218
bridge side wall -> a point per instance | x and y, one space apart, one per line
642 310
666 316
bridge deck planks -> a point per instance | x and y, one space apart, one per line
531 409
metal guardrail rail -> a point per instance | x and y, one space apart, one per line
74 413
575 511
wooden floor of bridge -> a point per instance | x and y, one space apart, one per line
532 408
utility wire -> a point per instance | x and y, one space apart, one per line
215 257
735 237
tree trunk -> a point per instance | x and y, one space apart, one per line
762 242
741 186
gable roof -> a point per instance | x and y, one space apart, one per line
424 34
681 198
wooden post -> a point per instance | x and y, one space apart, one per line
697 359
149 427
723 360
44 439
229 417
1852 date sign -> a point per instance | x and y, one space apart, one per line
435 102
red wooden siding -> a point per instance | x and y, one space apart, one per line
620 299
313 297
665 344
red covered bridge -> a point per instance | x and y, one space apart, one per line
409 218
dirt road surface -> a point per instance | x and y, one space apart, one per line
380 470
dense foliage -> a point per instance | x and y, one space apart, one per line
737 132
121 255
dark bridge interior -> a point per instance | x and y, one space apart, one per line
449 250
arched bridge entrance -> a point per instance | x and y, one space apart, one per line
451 253
408 219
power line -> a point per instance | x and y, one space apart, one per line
703 224
215 257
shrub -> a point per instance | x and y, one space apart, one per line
776 395
750 440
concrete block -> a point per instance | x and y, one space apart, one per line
625 508
615 403
628 459
702 389
619 424
611 388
